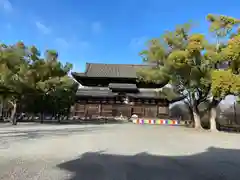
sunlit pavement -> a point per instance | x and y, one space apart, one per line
116 151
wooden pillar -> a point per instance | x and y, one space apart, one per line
100 108
72 110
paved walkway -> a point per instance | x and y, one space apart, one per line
119 152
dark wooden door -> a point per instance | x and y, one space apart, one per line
138 110
79 110
107 110
124 110
92 110
151 111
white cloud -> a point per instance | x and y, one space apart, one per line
62 42
43 28
96 27
6 5
137 42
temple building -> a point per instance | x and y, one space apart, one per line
112 90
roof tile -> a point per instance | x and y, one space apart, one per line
113 70
105 92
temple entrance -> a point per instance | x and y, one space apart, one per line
122 110
92 110
113 109
113 90
138 110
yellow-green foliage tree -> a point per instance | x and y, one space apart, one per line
223 81
192 65
177 58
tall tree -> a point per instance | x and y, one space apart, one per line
177 58
15 75
56 88
223 81
192 64
26 77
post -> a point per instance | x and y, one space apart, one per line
235 114
1 109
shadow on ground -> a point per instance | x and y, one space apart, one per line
214 164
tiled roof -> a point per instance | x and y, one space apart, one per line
122 86
111 70
95 92
105 92
142 93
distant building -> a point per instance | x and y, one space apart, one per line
114 90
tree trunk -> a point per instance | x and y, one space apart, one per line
1 108
196 118
191 115
58 118
13 114
213 115
41 117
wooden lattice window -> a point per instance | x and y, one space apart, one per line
138 110
163 109
151 111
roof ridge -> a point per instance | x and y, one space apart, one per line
87 68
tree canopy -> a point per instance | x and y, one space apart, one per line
42 82
196 70
192 64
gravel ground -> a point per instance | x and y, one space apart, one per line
116 152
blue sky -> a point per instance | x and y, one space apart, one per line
100 31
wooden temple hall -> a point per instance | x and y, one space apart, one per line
112 90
